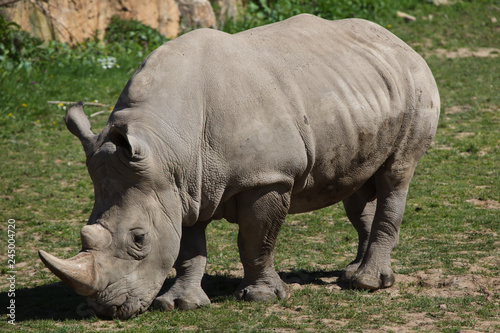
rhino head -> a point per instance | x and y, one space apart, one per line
132 238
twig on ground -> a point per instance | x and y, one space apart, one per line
405 16
85 103
97 113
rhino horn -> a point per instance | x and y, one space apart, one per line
78 272
95 237
79 125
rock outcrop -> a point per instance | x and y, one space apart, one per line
73 21
196 14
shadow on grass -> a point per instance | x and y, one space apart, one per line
220 287
55 301
58 302
304 277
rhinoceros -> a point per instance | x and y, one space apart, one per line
286 118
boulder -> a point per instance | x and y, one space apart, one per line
73 21
196 14
227 10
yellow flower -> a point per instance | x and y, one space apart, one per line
389 26
61 104
38 121
10 114
24 105
53 122
110 108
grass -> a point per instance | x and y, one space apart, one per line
448 259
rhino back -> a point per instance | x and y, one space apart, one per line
314 104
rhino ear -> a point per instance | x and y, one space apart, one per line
134 147
78 124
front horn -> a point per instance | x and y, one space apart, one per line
78 272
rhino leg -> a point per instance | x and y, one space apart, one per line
360 208
261 213
392 183
186 293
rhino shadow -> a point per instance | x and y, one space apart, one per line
58 302
304 277
220 287
55 301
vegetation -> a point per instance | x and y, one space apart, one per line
259 12
448 259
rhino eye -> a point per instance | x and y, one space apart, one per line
138 239
138 244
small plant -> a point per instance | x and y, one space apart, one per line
108 62
132 34
16 47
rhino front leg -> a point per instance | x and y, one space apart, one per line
375 271
260 215
186 293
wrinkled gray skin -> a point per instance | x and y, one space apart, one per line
285 118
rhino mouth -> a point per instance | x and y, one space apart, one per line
131 307
125 305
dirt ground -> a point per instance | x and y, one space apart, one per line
463 52
432 283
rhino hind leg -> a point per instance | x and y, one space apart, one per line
261 212
186 292
374 271
360 208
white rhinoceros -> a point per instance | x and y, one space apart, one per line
284 118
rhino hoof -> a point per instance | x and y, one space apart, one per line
262 293
370 282
348 274
163 304
182 303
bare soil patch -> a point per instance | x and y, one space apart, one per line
431 283
484 204
464 52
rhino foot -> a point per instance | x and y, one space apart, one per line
371 281
188 300
262 292
349 272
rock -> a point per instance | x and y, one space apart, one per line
162 15
405 16
227 10
196 14
441 2
73 21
